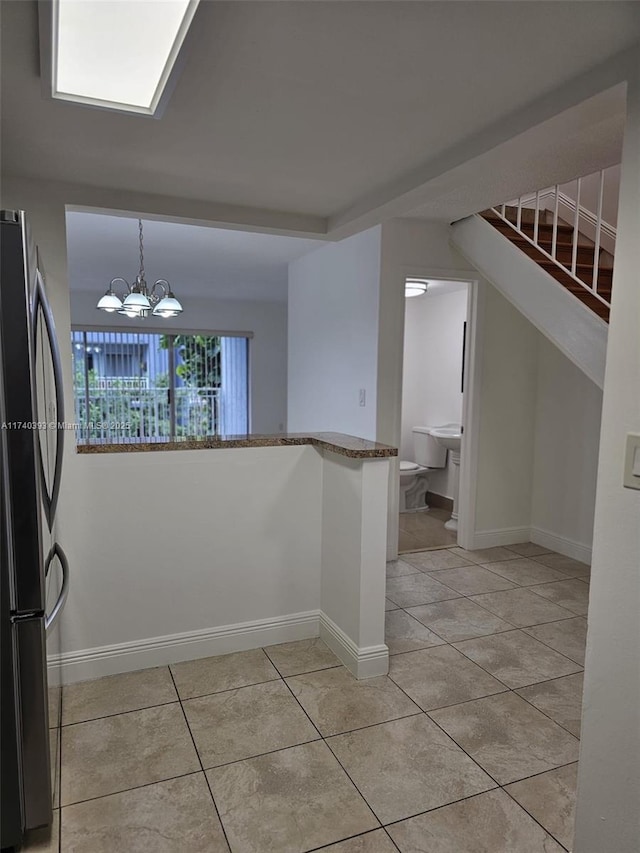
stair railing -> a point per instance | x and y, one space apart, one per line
554 200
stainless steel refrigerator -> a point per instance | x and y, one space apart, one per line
33 570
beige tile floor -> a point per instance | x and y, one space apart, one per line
469 745
424 529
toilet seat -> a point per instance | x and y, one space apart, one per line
409 466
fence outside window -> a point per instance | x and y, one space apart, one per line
141 387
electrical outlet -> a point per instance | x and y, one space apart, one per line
363 396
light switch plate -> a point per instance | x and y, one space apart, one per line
632 461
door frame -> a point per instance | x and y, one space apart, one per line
470 405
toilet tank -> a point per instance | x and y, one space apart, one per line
427 451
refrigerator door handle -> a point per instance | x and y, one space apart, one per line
57 551
40 300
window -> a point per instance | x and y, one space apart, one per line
135 387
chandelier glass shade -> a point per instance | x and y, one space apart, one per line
140 300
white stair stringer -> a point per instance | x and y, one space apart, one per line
563 319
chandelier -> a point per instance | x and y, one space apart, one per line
140 300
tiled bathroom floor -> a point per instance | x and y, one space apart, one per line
468 746
425 529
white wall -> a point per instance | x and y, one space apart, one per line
409 247
567 437
590 193
226 537
608 817
267 349
432 367
507 416
352 591
128 585
539 437
235 548
164 543
525 388
333 337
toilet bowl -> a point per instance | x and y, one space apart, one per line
414 476
414 485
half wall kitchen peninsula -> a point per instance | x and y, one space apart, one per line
196 548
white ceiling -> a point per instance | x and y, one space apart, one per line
197 261
331 108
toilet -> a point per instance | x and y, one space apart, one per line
414 479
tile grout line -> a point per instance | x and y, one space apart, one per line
502 787
420 712
508 690
324 741
482 793
119 713
506 686
177 699
543 681
455 704
577 662
261 754
344 770
132 788
515 627
206 779
544 713
499 786
451 738
323 738
351 838
532 816
495 633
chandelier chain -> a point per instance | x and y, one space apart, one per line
141 249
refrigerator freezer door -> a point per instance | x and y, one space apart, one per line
11 811
22 479
30 656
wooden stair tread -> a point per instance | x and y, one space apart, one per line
530 223
563 248
543 227
579 266
560 268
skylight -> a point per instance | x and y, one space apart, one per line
117 54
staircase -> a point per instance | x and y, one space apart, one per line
558 275
572 262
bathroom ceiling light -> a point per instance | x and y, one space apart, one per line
114 54
415 286
141 300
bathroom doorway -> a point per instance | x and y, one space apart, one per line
435 341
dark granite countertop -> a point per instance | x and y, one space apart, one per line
336 442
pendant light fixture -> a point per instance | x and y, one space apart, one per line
140 300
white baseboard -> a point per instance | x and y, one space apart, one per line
503 536
363 662
514 535
568 547
82 665
70 667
